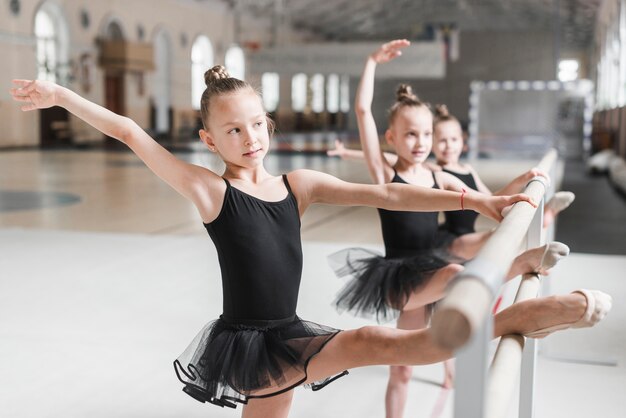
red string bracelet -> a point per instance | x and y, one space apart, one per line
463 191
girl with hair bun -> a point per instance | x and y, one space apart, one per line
419 259
448 147
258 350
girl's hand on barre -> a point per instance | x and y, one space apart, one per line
36 94
493 206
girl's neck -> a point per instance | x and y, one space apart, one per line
404 166
253 175
453 166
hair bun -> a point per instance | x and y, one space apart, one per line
442 111
405 92
216 73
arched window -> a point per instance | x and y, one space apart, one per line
332 93
201 61
162 81
317 93
270 86
52 36
344 94
298 92
235 62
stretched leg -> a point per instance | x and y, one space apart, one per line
539 260
434 289
560 201
448 370
275 406
376 345
467 246
400 376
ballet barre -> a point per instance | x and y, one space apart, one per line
463 322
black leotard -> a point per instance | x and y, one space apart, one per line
406 233
260 254
461 222
380 286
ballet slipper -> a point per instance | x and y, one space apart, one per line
560 201
552 254
598 306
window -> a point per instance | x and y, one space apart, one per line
46 46
344 94
317 93
270 86
298 92
235 62
332 93
568 70
201 61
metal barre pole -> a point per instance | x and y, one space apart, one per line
471 293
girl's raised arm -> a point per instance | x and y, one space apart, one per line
191 181
368 133
315 187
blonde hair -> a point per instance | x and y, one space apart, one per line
219 82
404 98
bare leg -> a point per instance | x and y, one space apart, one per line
400 376
376 345
275 406
467 246
448 370
434 289
560 201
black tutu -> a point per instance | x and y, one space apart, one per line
378 287
230 362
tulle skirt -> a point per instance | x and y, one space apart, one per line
230 362
378 287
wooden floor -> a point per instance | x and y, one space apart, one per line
106 274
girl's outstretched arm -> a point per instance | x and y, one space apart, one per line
378 166
315 187
356 154
191 181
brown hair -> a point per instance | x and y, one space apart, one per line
219 82
404 98
442 114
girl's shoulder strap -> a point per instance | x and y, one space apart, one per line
435 184
286 181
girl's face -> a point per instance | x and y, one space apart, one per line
411 133
237 128
448 142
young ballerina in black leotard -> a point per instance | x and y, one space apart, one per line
448 145
259 349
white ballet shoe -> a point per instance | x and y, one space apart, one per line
560 201
552 254
598 306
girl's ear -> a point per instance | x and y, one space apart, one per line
207 139
389 136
